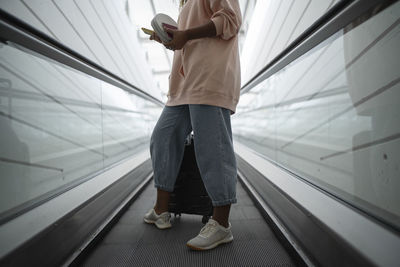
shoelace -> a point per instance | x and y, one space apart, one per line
209 228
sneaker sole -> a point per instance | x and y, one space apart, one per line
223 241
158 226
149 221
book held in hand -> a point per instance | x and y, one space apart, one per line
159 21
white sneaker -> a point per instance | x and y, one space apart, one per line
162 221
210 236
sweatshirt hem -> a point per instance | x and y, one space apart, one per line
219 101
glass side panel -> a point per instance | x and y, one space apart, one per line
127 121
59 126
333 116
274 26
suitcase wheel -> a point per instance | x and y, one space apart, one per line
205 219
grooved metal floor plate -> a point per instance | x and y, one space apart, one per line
131 242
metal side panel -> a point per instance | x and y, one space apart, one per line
324 229
55 245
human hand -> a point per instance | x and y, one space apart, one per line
155 37
179 39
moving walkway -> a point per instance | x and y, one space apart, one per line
318 175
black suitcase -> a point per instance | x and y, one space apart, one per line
189 195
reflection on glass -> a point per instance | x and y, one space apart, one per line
126 123
333 116
59 126
274 26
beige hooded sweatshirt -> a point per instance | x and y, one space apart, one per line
207 70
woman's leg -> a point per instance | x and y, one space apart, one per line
221 215
162 201
215 156
166 150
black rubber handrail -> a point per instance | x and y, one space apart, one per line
25 27
323 20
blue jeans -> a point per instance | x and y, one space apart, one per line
213 147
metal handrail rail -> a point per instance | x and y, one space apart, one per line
17 31
335 19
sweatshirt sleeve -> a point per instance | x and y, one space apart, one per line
226 17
